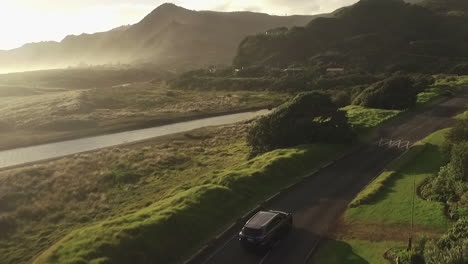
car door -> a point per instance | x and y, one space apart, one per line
273 228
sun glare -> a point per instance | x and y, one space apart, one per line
20 24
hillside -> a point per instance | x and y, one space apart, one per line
170 36
372 35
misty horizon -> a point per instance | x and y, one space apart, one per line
102 18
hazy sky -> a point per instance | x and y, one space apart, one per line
23 21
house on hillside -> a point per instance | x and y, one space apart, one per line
292 71
335 70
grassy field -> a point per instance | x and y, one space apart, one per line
30 115
385 219
143 200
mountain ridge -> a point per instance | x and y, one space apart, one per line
169 36
366 36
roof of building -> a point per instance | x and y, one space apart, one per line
335 69
260 219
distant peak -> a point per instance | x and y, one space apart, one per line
169 6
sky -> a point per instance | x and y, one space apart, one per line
25 21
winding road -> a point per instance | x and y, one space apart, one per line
317 203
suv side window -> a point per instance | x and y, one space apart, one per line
273 224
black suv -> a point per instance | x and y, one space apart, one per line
265 228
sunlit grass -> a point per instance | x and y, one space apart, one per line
134 191
367 118
166 230
393 203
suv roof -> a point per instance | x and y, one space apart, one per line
260 219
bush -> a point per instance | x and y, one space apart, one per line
341 98
308 118
422 81
452 248
459 132
396 92
461 69
452 181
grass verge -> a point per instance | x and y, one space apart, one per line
381 216
378 184
170 229
353 251
397 192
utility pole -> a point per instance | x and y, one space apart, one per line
410 239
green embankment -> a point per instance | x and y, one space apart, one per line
169 230
397 192
386 205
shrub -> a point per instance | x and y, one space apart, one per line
459 132
461 69
422 81
396 92
452 248
309 117
341 98
452 181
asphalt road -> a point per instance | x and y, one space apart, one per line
319 201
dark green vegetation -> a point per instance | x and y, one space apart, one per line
451 248
372 35
308 118
170 37
451 184
397 92
154 202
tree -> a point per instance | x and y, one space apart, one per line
309 117
396 92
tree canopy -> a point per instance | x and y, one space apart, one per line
309 117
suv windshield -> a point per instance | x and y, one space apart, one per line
252 232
